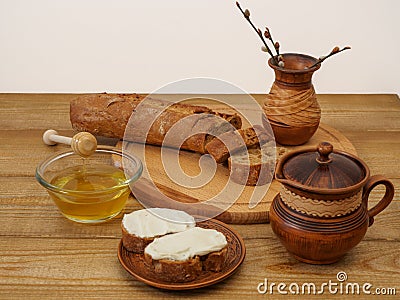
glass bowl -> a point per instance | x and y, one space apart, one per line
92 189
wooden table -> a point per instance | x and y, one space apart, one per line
43 255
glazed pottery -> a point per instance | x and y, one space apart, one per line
291 107
322 209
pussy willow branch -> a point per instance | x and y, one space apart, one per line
258 32
333 52
272 41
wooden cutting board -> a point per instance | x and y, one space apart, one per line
239 212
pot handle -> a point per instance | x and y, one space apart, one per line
371 183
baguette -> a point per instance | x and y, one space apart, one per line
141 227
231 142
253 166
108 115
181 257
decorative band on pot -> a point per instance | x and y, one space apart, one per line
320 207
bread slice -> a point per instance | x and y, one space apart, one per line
141 227
181 257
231 142
134 243
175 271
253 166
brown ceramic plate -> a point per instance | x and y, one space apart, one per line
135 265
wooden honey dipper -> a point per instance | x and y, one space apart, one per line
82 143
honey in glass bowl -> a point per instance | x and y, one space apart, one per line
92 189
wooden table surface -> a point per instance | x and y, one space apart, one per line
43 255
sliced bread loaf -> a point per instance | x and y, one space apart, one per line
109 115
231 142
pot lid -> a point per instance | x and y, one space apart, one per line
324 168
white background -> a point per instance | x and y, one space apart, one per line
139 46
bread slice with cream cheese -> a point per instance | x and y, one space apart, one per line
141 227
181 257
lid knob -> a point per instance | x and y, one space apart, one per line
324 149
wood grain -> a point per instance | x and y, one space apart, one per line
45 256
90 269
240 211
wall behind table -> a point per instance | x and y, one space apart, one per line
128 46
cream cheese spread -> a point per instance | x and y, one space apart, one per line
153 222
187 244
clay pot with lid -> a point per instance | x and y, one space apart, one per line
322 209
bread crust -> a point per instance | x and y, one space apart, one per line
133 242
188 270
215 261
108 115
175 271
235 141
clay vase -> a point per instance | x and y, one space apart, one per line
291 107
322 210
